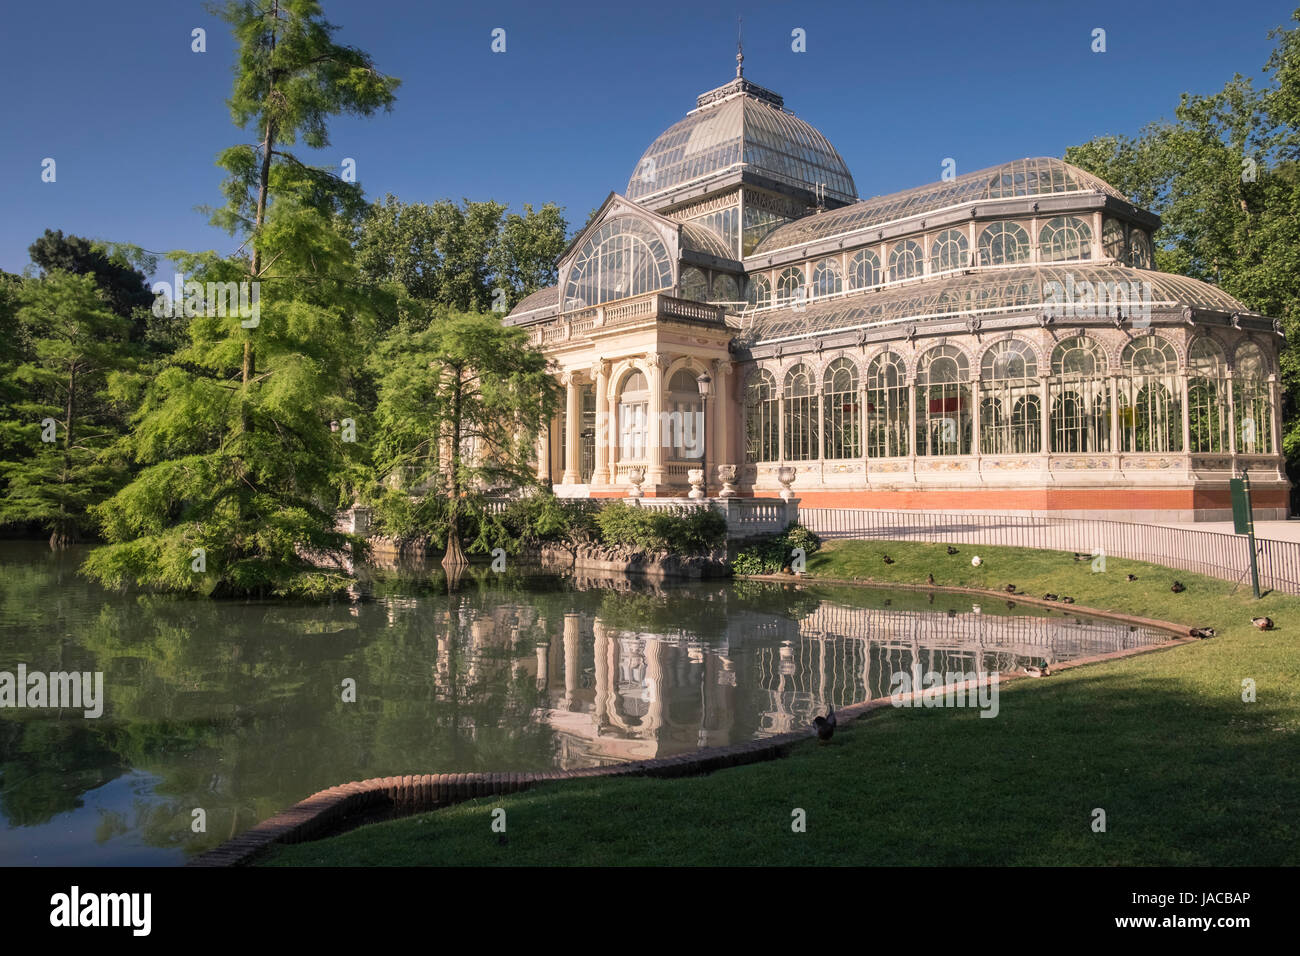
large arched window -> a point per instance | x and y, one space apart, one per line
1114 244
1250 393
1207 398
864 269
1004 242
800 414
685 422
758 291
1010 405
1139 249
1080 397
887 418
693 284
791 287
763 418
725 290
826 277
634 417
622 258
906 260
950 250
1065 237
1150 397
943 422
842 410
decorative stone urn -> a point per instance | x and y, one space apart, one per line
635 476
727 478
696 477
785 474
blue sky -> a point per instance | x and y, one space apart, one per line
134 119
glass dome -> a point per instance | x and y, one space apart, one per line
741 126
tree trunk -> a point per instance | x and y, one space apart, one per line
455 556
263 184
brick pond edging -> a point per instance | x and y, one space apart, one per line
383 798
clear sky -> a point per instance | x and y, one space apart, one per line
134 120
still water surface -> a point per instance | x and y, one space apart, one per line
238 708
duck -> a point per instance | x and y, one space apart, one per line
1067 600
1130 577
1010 589
1263 623
1042 669
825 725
1049 596
1202 632
1178 587
888 559
929 579
952 550
888 601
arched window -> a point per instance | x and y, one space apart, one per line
905 260
1065 237
1250 393
694 285
1003 242
791 287
1207 398
842 410
1010 405
800 415
725 290
864 269
943 418
634 417
685 422
1080 397
622 258
758 291
1113 244
826 278
887 419
1150 397
762 406
950 250
1139 249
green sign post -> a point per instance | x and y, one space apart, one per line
1243 521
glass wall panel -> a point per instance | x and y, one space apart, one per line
1150 397
864 269
1253 409
887 417
1004 242
1065 237
842 415
624 257
943 406
1080 393
1207 396
762 402
950 250
1010 404
800 415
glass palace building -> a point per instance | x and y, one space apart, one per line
994 341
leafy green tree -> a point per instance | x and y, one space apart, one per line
471 257
73 343
242 468
460 406
125 286
1224 175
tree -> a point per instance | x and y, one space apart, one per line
242 468
125 286
460 406
467 258
1224 175
74 342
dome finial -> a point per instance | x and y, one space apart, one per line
740 50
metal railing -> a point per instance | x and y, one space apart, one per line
1212 553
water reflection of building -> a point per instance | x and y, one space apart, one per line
613 694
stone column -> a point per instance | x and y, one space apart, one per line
600 374
544 454
656 473
1045 416
1187 415
722 409
572 429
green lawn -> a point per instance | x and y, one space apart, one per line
1186 772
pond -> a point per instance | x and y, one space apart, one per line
240 709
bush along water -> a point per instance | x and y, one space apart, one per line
776 553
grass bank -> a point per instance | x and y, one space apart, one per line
1187 773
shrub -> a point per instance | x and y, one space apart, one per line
680 530
773 554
